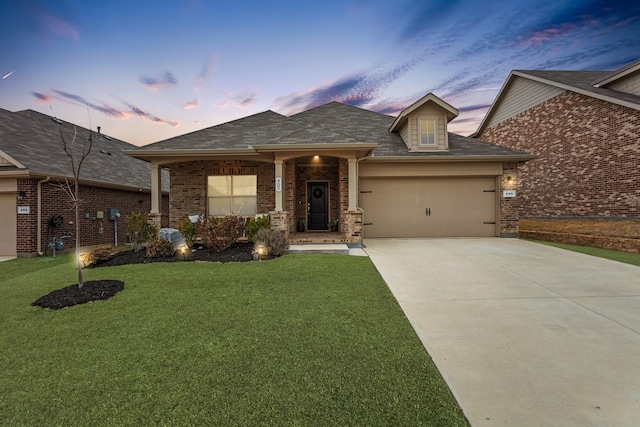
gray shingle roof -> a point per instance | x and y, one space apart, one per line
332 123
33 139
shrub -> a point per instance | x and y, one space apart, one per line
158 247
221 233
254 224
275 241
189 231
102 253
139 230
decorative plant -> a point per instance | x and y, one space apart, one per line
102 253
189 231
220 233
158 247
275 242
255 224
139 230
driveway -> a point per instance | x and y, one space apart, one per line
524 334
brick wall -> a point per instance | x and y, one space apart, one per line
188 193
509 205
588 155
93 231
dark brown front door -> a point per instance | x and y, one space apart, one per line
317 205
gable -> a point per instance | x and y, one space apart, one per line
519 95
628 84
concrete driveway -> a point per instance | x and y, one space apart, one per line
524 334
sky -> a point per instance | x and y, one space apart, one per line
145 71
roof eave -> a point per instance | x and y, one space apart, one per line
434 159
314 147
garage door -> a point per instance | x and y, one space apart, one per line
8 224
428 207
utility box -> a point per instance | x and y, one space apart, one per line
113 214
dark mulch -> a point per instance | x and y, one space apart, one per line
104 289
93 290
238 252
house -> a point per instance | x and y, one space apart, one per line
377 175
584 128
34 209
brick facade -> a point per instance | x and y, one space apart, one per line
93 231
189 185
588 155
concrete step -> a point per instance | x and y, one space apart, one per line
319 248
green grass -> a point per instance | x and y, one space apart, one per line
301 340
626 257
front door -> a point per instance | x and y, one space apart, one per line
317 205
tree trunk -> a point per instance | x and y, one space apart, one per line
78 260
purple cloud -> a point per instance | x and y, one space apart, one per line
42 98
191 104
163 82
148 116
245 99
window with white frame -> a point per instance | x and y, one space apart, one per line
232 195
427 131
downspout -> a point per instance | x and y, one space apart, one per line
39 215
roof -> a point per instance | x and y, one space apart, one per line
31 145
329 126
588 83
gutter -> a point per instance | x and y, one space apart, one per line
39 214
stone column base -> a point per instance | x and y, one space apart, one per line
280 221
351 225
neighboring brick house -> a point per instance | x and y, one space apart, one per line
584 128
33 207
377 175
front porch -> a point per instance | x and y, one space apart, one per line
316 237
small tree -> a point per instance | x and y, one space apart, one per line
76 159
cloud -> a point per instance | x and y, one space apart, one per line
165 81
8 74
191 104
359 89
205 72
42 98
423 16
243 100
104 108
148 116
120 114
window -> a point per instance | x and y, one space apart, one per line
232 195
427 131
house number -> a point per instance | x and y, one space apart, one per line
508 193
278 184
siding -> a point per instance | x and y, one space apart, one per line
628 84
428 111
521 95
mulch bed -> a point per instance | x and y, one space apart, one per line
238 252
93 290
103 289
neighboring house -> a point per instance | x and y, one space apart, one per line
34 209
584 128
379 176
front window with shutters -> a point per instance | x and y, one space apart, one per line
232 195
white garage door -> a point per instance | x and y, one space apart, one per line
428 207
8 224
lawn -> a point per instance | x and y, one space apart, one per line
626 257
300 340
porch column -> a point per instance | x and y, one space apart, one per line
156 187
353 184
279 187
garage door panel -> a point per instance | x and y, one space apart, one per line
428 207
8 224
